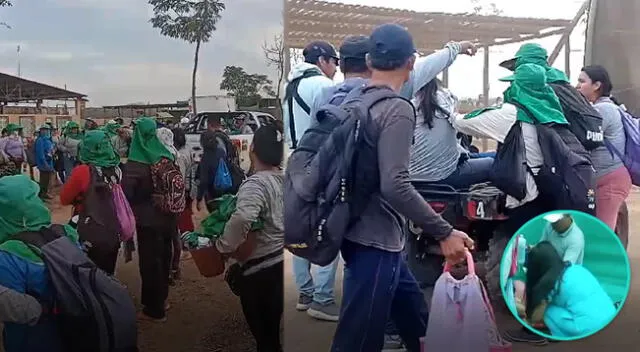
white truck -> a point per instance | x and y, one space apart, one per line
254 119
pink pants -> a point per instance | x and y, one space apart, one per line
612 190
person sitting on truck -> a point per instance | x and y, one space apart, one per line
240 125
613 179
436 154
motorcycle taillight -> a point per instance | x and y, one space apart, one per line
438 207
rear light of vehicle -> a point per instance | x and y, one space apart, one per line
438 207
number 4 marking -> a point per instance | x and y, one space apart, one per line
480 210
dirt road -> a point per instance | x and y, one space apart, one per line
302 333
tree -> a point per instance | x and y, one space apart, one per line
193 21
490 10
245 87
5 3
275 53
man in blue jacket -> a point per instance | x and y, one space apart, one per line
44 160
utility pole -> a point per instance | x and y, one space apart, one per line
18 53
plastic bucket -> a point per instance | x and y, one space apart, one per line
209 261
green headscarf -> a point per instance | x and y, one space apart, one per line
532 53
111 128
145 147
529 89
96 149
13 127
70 126
21 210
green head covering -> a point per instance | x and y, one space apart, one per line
111 128
96 149
145 147
532 53
22 210
529 88
67 131
13 127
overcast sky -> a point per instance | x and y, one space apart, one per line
108 50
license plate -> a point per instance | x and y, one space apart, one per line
478 209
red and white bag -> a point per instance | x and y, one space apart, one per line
461 316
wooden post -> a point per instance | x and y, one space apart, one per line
567 58
485 89
445 77
567 33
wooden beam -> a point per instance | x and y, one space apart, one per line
567 58
485 90
567 33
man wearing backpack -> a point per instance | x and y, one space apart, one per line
219 155
379 284
302 96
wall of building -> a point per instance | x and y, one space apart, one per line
30 122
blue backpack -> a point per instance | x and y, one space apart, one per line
631 155
324 189
223 180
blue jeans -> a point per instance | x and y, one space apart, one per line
377 286
470 172
322 287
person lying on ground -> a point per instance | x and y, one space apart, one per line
260 282
22 269
89 191
566 297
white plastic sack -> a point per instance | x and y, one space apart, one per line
461 318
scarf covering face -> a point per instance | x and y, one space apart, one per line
532 53
68 128
166 137
544 270
111 128
96 149
529 89
145 147
21 210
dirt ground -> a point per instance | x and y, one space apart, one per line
303 333
206 316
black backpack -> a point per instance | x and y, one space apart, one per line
93 311
331 175
291 93
584 120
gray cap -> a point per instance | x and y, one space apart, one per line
354 47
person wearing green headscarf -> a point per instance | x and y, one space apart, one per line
89 190
68 145
533 53
155 228
12 146
21 210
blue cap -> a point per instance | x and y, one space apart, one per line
355 47
390 42
315 50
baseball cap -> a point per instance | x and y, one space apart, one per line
315 50
529 51
390 42
554 217
355 47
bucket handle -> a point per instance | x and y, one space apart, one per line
471 267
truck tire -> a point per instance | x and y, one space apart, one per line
622 225
497 246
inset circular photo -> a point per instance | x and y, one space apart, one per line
565 275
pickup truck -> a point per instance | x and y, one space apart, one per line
254 119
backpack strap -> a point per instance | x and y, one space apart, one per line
41 237
291 93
